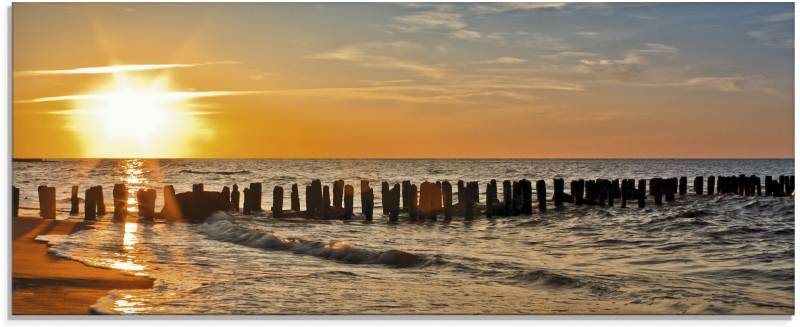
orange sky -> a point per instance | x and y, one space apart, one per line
403 80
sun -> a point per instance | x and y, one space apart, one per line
130 117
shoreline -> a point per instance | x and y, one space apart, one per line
43 284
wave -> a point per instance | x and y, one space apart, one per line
562 281
218 172
229 231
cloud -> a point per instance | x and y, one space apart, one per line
465 35
435 20
570 54
367 55
625 68
773 39
114 69
494 8
750 83
503 61
658 48
156 96
587 33
782 17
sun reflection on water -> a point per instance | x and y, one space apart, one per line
134 180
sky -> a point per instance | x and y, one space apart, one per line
403 80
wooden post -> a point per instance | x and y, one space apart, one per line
367 198
517 200
591 192
406 190
541 194
657 189
384 197
171 207
461 193
309 205
641 194
338 191
558 189
527 196
101 202
710 185
615 189
682 185
226 198
73 201
413 210
326 203
581 184
625 191
768 185
698 185
491 197
316 198
149 197
508 198
394 202
89 204
469 204
671 184
348 201
295 198
47 202
255 197
235 198
277 202
14 201
246 205
757 181
447 198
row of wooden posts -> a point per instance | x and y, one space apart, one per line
429 199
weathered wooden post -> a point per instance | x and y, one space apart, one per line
517 200
491 197
615 189
338 191
508 198
541 194
246 206
89 204
625 192
591 192
710 185
447 198
581 186
226 198
309 205
235 198
698 185
656 189
47 202
641 194
413 210
255 194
367 198
469 204
149 197
384 196
316 198
73 201
682 185
348 201
768 185
326 203
406 190
101 202
672 186
527 196
461 193
295 198
14 201
558 189
394 202
277 202
170 208
758 185
611 192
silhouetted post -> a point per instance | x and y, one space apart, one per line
89 204
610 193
309 205
413 210
149 205
235 197
47 202
591 192
73 201
625 192
407 195
672 187
758 185
367 200
461 193
791 185
541 194
101 202
447 198
508 198
255 197
226 198
710 184
768 185
338 191
615 189
469 204
171 207
326 202
682 185
527 196
698 185
348 201
316 198
656 189
491 197
277 202
246 205
581 185
295 198
641 194
394 202
14 201
384 196
558 189
517 200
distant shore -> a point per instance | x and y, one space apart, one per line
46 285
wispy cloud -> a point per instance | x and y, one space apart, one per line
773 39
430 20
658 48
749 83
774 18
502 60
155 96
465 35
625 68
493 8
367 54
114 69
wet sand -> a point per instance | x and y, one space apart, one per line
44 284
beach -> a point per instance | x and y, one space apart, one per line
44 284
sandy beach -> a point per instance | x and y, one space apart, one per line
44 284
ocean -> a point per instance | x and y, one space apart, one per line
721 254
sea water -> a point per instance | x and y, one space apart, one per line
700 254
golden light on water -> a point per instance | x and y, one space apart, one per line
134 117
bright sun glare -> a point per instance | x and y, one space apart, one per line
130 117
